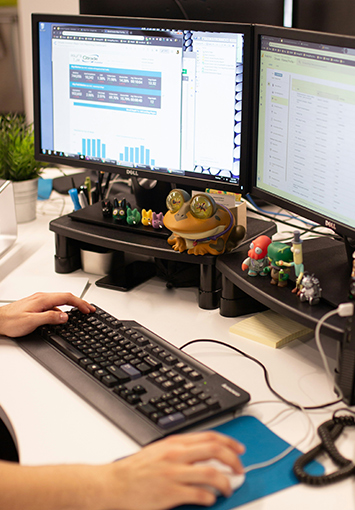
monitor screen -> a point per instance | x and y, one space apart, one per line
304 148
160 99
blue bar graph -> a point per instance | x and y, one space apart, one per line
93 147
137 156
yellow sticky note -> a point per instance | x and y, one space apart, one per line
270 328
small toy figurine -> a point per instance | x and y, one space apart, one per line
310 289
257 259
278 252
297 260
133 216
200 225
147 217
119 209
106 208
157 220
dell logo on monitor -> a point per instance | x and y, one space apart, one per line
330 224
131 172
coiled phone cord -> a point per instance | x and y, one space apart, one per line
328 433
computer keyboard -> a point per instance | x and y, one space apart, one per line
141 382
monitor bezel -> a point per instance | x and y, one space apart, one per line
194 181
338 227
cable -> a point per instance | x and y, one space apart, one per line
344 310
268 214
266 375
328 433
184 13
290 216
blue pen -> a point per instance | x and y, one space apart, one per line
73 193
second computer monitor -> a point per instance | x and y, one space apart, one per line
304 148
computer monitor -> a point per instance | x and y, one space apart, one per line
156 99
304 150
269 12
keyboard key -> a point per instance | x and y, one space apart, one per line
133 373
121 376
172 420
192 412
146 409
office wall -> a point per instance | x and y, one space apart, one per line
25 9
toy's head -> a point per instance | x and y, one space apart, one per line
279 251
196 218
258 248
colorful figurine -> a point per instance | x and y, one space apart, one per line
310 289
147 217
297 262
157 220
119 209
133 216
257 259
279 252
200 225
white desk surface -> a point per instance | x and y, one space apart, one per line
53 425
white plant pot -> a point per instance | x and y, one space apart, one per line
25 194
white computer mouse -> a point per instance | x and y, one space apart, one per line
235 480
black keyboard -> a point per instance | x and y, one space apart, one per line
142 383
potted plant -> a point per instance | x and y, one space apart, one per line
18 164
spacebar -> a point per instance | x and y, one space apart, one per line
65 347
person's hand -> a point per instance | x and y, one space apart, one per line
164 474
24 316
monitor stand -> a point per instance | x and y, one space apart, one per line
72 235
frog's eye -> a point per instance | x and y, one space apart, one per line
176 198
202 206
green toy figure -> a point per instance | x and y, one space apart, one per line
277 252
297 262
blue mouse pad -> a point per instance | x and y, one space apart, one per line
261 445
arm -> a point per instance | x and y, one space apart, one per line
25 315
161 476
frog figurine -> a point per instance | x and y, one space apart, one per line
200 225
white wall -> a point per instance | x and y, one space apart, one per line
25 9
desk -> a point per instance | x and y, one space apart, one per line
53 425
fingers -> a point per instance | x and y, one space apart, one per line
52 300
203 446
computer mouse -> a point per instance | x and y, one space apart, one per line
235 480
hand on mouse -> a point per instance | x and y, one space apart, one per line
165 474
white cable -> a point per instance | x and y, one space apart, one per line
344 310
288 450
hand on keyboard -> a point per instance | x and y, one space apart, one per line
25 315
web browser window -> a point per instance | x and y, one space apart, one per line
169 100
